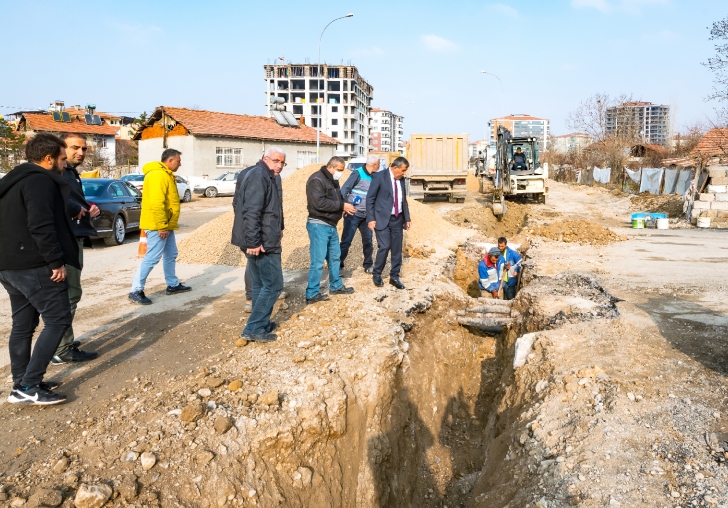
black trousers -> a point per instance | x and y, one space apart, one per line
32 295
390 239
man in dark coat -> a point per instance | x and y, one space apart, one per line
388 216
37 244
81 212
258 230
325 209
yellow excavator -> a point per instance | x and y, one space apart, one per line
518 172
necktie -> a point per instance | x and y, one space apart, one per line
396 199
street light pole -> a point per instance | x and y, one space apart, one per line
502 90
318 129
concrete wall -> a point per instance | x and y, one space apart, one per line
199 153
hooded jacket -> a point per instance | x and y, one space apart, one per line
82 227
259 211
160 200
323 194
35 228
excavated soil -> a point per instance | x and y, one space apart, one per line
481 218
671 204
471 182
581 231
210 244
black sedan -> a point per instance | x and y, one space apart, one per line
120 204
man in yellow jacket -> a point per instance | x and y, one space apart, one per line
160 213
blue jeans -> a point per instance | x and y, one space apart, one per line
156 249
324 244
266 273
351 224
32 295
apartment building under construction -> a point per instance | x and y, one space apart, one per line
334 97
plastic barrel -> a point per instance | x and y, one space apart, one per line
638 223
663 224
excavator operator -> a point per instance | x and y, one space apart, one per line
519 160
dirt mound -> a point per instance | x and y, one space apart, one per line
210 244
471 182
580 231
482 219
671 204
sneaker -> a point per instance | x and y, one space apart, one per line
318 298
46 385
273 326
139 298
73 355
283 295
343 290
35 395
248 306
179 288
260 337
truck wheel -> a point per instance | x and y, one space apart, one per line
542 199
461 200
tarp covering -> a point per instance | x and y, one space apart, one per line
670 180
683 181
90 174
651 179
602 175
635 176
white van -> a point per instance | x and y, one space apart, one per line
356 163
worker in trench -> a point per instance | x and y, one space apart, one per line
490 272
512 268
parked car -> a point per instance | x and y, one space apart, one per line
222 185
183 188
120 204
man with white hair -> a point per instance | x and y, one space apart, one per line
258 230
354 192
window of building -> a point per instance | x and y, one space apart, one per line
101 142
334 134
334 109
333 73
305 158
334 121
297 110
315 122
229 157
315 110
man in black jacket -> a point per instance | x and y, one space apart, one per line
258 229
388 216
81 212
37 244
325 209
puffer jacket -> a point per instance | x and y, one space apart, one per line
160 200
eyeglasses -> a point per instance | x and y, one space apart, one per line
277 161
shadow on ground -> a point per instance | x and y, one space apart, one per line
699 332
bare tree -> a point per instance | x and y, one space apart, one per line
719 63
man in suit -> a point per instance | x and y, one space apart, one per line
388 216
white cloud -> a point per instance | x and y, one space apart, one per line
437 43
600 5
503 9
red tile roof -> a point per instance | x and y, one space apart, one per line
714 143
212 123
519 117
43 122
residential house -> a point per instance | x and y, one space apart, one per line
213 143
99 134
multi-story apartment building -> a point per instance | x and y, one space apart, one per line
573 142
522 125
333 97
651 122
387 131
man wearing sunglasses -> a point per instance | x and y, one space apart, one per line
258 231
81 212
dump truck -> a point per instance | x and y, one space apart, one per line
516 175
438 166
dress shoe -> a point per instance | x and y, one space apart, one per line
396 283
369 270
378 281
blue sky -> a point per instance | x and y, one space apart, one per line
423 58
